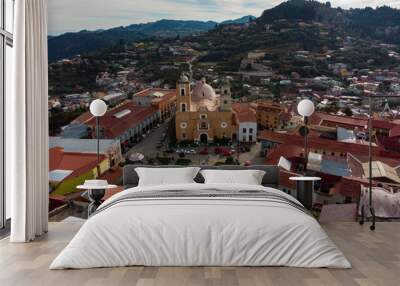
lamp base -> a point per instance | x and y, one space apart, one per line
363 217
95 197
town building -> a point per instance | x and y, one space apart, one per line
246 121
70 169
268 114
127 123
202 115
115 98
270 140
110 148
162 99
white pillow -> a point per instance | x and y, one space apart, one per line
247 177
166 176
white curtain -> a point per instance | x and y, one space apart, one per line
27 123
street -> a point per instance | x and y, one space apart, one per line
148 145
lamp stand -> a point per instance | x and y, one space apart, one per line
371 208
305 144
98 139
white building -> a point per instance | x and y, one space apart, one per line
246 121
114 98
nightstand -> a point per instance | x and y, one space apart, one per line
305 189
96 190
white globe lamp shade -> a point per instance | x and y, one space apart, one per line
98 107
306 108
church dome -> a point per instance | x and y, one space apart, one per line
203 91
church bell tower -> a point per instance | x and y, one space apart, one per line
226 96
183 94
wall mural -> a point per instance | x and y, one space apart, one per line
203 84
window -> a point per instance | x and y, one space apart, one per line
203 125
6 43
244 130
183 107
182 92
251 131
203 116
251 138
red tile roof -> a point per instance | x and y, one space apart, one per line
79 163
168 94
112 126
347 187
244 112
288 151
318 143
150 91
395 131
391 161
320 118
269 105
113 176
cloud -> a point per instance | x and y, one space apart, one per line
76 15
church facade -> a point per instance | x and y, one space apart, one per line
201 114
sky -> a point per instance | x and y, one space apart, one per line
76 15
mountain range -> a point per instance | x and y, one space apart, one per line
70 44
382 23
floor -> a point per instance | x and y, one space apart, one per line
375 257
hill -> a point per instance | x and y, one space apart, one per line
70 44
382 23
242 20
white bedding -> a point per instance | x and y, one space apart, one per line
200 232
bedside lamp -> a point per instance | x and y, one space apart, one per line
306 108
305 184
98 108
96 188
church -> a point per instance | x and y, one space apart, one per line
202 115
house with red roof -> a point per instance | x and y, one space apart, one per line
271 140
70 169
342 165
164 100
382 127
126 122
246 121
392 142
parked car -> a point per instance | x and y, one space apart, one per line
223 151
204 151
226 152
219 150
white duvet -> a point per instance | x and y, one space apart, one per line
200 232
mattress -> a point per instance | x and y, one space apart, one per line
201 225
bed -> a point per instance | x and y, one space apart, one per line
198 224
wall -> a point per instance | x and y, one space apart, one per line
245 136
